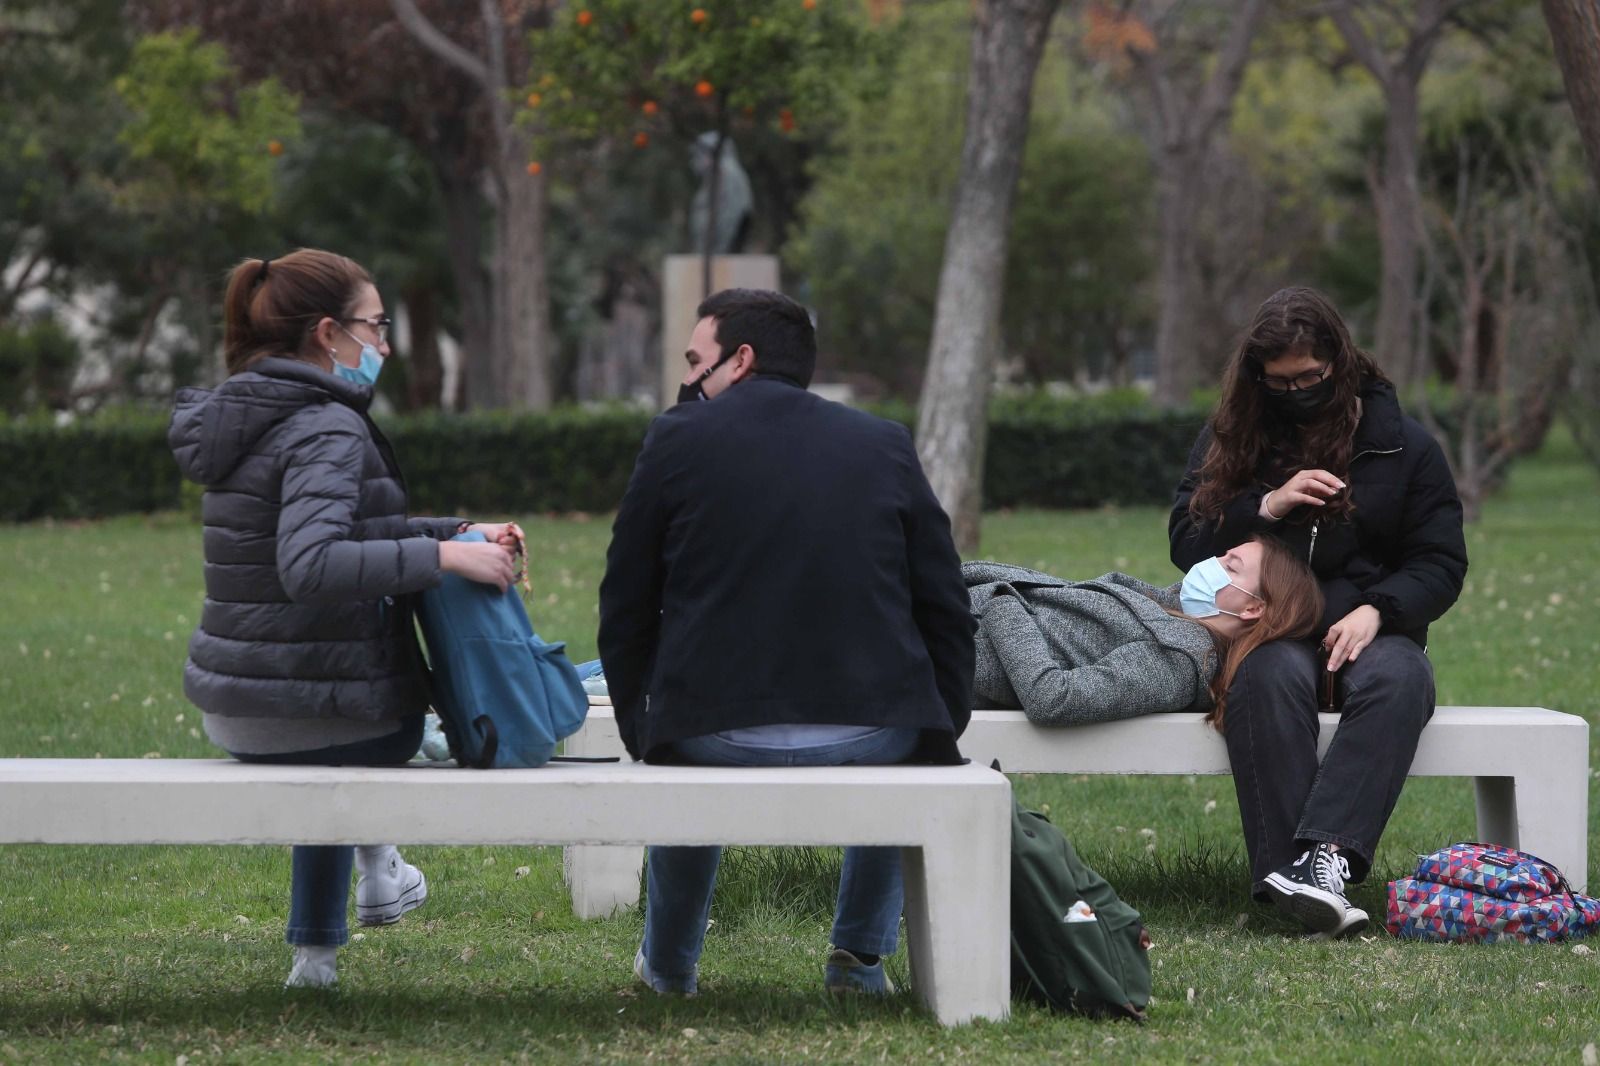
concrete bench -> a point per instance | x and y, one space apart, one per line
953 824
1530 771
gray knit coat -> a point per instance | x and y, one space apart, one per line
1084 651
308 550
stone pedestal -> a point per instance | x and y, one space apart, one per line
681 293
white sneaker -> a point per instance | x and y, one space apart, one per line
314 967
388 888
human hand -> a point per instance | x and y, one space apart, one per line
509 536
487 564
1308 486
496 533
1350 635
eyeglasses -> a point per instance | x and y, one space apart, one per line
1309 380
380 325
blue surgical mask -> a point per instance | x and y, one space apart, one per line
364 373
1198 594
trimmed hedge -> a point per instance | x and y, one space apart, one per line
86 470
1043 452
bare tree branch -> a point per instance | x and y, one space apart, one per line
1216 99
430 37
1361 44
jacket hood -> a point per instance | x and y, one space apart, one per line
212 430
1380 428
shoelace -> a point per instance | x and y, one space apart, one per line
1330 870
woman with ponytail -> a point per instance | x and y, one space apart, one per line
306 652
1308 445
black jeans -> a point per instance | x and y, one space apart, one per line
1287 800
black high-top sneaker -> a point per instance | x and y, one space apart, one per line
1311 889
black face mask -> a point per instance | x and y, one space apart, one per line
694 390
1301 405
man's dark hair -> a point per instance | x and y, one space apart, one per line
776 328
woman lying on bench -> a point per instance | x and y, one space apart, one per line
1089 651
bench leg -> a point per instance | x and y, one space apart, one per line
1545 814
958 918
603 880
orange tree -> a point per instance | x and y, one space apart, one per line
658 73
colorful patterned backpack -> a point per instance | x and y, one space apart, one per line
1480 893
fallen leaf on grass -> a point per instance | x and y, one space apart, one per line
467 953
1189 995
522 871
1590 1056
1582 949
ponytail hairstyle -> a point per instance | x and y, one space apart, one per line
1245 431
1291 609
271 304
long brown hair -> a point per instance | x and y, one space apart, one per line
1246 434
270 304
1291 609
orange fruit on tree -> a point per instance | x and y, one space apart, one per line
703 88
534 99
535 168
585 17
698 15
809 5
649 107
786 120
274 147
641 139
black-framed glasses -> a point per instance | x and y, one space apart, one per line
1309 380
380 325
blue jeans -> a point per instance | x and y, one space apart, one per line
319 894
679 880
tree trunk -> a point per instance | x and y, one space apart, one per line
1177 193
1187 120
521 293
1575 29
1399 225
424 369
952 423
463 224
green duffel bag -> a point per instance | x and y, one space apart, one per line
1074 945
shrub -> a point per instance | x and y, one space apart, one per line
1043 452
89 469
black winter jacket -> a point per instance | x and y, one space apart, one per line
780 559
1401 550
308 550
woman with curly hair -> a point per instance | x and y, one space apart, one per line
1309 444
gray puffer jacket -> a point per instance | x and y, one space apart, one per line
308 550
1084 651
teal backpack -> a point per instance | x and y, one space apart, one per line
505 698
1075 946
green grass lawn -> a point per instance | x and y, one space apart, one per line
156 954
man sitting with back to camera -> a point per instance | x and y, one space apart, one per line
781 590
